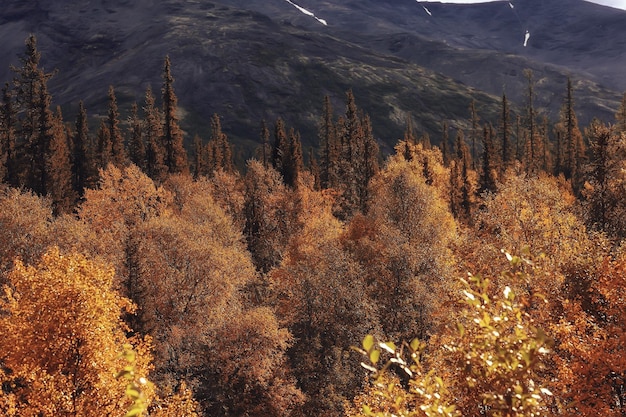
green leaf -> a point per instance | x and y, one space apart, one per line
461 329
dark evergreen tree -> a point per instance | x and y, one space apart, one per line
265 144
505 136
445 147
28 82
281 144
314 169
175 154
41 139
573 140
118 150
58 168
199 160
104 147
531 153
475 123
136 146
371 155
8 124
220 156
83 170
293 163
328 147
606 157
460 189
425 140
152 128
488 178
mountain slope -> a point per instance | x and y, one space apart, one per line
266 59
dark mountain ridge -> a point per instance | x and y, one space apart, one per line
265 59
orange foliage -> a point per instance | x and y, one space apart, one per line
62 339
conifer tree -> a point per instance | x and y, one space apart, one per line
352 171
314 169
489 163
505 136
293 163
281 144
371 154
26 84
328 146
460 182
59 170
155 151
137 146
33 123
265 144
425 140
409 131
104 147
175 154
475 122
118 150
532 148
574 148
219 151
41 139
83 172
8 124
445 138
199 161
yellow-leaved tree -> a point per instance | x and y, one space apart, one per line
62 340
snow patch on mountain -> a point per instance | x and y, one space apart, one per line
307 12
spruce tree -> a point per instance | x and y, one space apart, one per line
445 138
199 162
175 154
505 136
8 124
41 139
573 140
371 155
58 169
104 147
265 144
155 151
137 146
118 150
28 82
531 153
488 179
83 170
328 146
281 144
293 163
219 151
475 123
461 187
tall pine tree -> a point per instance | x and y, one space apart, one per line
118 150
83 172
175 154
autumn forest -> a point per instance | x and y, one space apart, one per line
145 275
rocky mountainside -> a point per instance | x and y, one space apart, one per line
262 59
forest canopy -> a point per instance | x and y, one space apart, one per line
479 276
